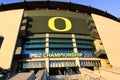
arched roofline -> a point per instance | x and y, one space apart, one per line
31 5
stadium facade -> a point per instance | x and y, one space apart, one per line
59 37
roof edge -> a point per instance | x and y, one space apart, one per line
31 5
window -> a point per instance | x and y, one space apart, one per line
34 46
1 40
60 45
86 47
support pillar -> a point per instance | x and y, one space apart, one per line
47 66
77 62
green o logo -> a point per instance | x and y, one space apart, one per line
51 24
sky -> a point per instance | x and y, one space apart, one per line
111 6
